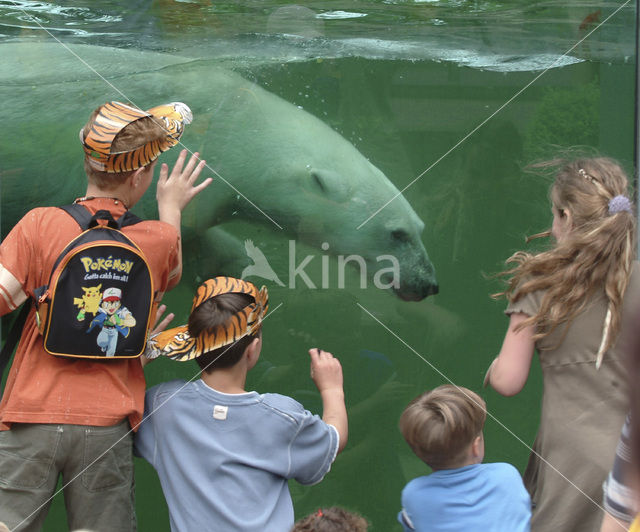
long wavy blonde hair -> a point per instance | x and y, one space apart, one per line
596 253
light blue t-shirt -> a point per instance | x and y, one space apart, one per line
224 459
480 497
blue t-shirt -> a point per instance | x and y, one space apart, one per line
479 497
224 459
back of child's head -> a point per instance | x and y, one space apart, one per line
119 139
596 252
333 519
219 311
441 424
226 316
132 136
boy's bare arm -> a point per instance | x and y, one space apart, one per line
176 190
326 373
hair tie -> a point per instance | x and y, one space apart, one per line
618 204
319 512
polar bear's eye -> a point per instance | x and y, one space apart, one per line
400 235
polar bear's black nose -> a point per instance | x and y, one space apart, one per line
417 293
432 289
429 289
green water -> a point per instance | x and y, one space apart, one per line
391 84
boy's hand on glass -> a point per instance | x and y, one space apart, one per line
177 189
326 370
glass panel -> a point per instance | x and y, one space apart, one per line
312 120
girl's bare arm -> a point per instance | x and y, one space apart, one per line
509 371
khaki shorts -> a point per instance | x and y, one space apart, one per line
96 464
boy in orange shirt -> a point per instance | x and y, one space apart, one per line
72 417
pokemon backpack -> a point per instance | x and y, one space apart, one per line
98 302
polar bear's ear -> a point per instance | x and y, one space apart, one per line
330 184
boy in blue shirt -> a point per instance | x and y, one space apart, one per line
443 427
223 454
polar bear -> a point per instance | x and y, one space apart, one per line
275 164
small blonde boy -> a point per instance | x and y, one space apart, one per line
443 427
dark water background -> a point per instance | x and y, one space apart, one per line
404 82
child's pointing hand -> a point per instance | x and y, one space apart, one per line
326 370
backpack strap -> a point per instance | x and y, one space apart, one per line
79 213
128 218
85 220
14 336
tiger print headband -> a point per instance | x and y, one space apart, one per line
178 345
113 117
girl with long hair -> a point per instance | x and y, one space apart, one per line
569 303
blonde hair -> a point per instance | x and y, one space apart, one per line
133 135
595 254
440 425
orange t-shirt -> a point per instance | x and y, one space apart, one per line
42 388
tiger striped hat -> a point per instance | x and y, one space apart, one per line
113 117
178 345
